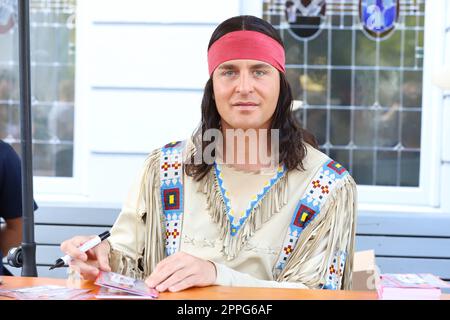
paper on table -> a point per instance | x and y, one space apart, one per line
109 293
410 286
50 292
125 284
411 280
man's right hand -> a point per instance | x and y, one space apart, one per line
88 263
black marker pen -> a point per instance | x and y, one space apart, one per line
61 262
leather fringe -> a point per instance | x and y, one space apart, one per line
272 202
332 231
152 214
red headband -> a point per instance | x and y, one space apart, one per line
246 45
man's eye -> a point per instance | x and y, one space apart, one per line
228 73
259 73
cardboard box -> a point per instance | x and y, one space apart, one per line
366 275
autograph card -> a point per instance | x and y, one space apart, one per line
49 292
125 284
115 294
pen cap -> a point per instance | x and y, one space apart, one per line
104 235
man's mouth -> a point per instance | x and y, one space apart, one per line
245 105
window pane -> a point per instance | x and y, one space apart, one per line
362 170
341 87
364 128
44 160
314 82
388 134
317 50
341 53
390 51
387 168
340 127
389 93
364 79
40 122
9 121
365 51
316 122
409 52
294 49
52 43
410 168
63 156
293 76
308 86
412 89
410 129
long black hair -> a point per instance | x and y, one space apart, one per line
292 137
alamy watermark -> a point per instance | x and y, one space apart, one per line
239 146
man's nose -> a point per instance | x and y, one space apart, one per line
245 85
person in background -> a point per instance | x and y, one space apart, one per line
10 202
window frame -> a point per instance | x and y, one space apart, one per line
427 194
61 189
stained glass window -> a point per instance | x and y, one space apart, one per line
357 68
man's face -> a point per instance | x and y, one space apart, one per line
246 93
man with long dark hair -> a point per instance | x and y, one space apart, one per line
248 200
